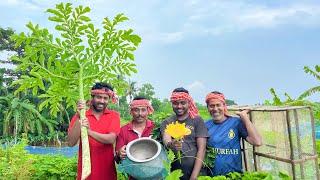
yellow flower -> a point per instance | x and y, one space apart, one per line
177 130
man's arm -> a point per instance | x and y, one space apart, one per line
253 137
201 144
109 138
74 132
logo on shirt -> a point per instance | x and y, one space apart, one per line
190 127
231 134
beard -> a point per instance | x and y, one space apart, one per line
97 108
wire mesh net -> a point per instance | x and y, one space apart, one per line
288 141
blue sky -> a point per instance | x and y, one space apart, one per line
241 48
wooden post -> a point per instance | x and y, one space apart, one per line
314 143
244 155
291 144
295 115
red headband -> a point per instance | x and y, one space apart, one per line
219 97
106 91
175 96
142 103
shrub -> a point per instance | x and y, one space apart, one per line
15 162
54 167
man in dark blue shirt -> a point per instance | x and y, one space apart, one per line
225 133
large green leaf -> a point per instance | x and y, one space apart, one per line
62 69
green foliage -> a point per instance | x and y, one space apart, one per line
147 90
203 112
15 162
315 73
230 102
294 102
49 139
6 43
22 116
170 156
63 69
122 176
248 176
157 119
131 90
209 158
54 167
174 175
318 147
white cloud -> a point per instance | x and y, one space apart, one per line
164 38
27 5
196 86
167 24
197 90
296 15
195 18
225 16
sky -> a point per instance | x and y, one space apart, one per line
239 47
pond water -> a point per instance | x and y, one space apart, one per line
318 132
72 151
66 151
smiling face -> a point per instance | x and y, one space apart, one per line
139 114
216 110
100 102
180 107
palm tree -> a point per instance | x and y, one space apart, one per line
132 90
315 73
20 115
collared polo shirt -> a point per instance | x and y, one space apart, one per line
102 155
128 134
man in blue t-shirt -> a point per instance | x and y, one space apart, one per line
225 133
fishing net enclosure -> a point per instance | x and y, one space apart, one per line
288 135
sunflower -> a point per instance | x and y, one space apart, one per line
177 130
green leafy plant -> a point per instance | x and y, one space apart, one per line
315 73
157 119
23 117
174 175
248 176
15 162
62 69
289 101
209 159
54 167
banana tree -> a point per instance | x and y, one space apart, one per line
315 73
63 65
23 116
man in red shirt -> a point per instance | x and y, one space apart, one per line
103 127
140 126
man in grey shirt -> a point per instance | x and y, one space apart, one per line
193 146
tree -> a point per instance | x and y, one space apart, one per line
230 102
315 73
71 63
147 90
22 116
7 44
132 90
289 101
